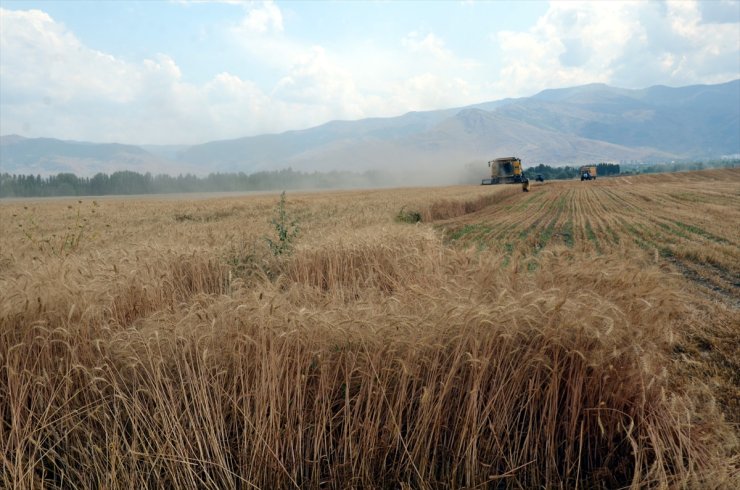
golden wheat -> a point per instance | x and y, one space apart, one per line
583 334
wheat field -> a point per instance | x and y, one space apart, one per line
584 334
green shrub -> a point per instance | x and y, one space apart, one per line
408 216
286 229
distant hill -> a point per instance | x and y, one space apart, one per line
693 121
334 145
562 126
50 156
574 125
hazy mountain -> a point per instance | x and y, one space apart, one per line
318 144
561 126
9 139
572 125
51 156
469 138
693 121
170 152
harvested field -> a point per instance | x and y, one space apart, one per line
582 334
689 222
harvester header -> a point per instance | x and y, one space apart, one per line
506 170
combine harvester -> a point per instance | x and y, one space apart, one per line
587 172
507 170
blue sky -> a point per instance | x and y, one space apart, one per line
197 34
188 71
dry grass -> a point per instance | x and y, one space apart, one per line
515 340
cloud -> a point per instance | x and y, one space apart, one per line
429 90
315 79
432 47
361 79
227 2
429 44
53 85
629 44
266 17
61 63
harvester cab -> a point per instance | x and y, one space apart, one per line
506 170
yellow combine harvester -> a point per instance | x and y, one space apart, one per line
506 170
587 172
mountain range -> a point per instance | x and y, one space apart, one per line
574 125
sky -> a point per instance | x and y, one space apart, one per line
190 71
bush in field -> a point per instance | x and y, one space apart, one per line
405 216
286 230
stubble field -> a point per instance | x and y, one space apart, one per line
582 334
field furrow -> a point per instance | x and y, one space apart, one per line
671 217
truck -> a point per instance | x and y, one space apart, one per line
506 170
587 172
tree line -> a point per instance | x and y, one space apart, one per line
631 169
551 173
128 183
605 169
